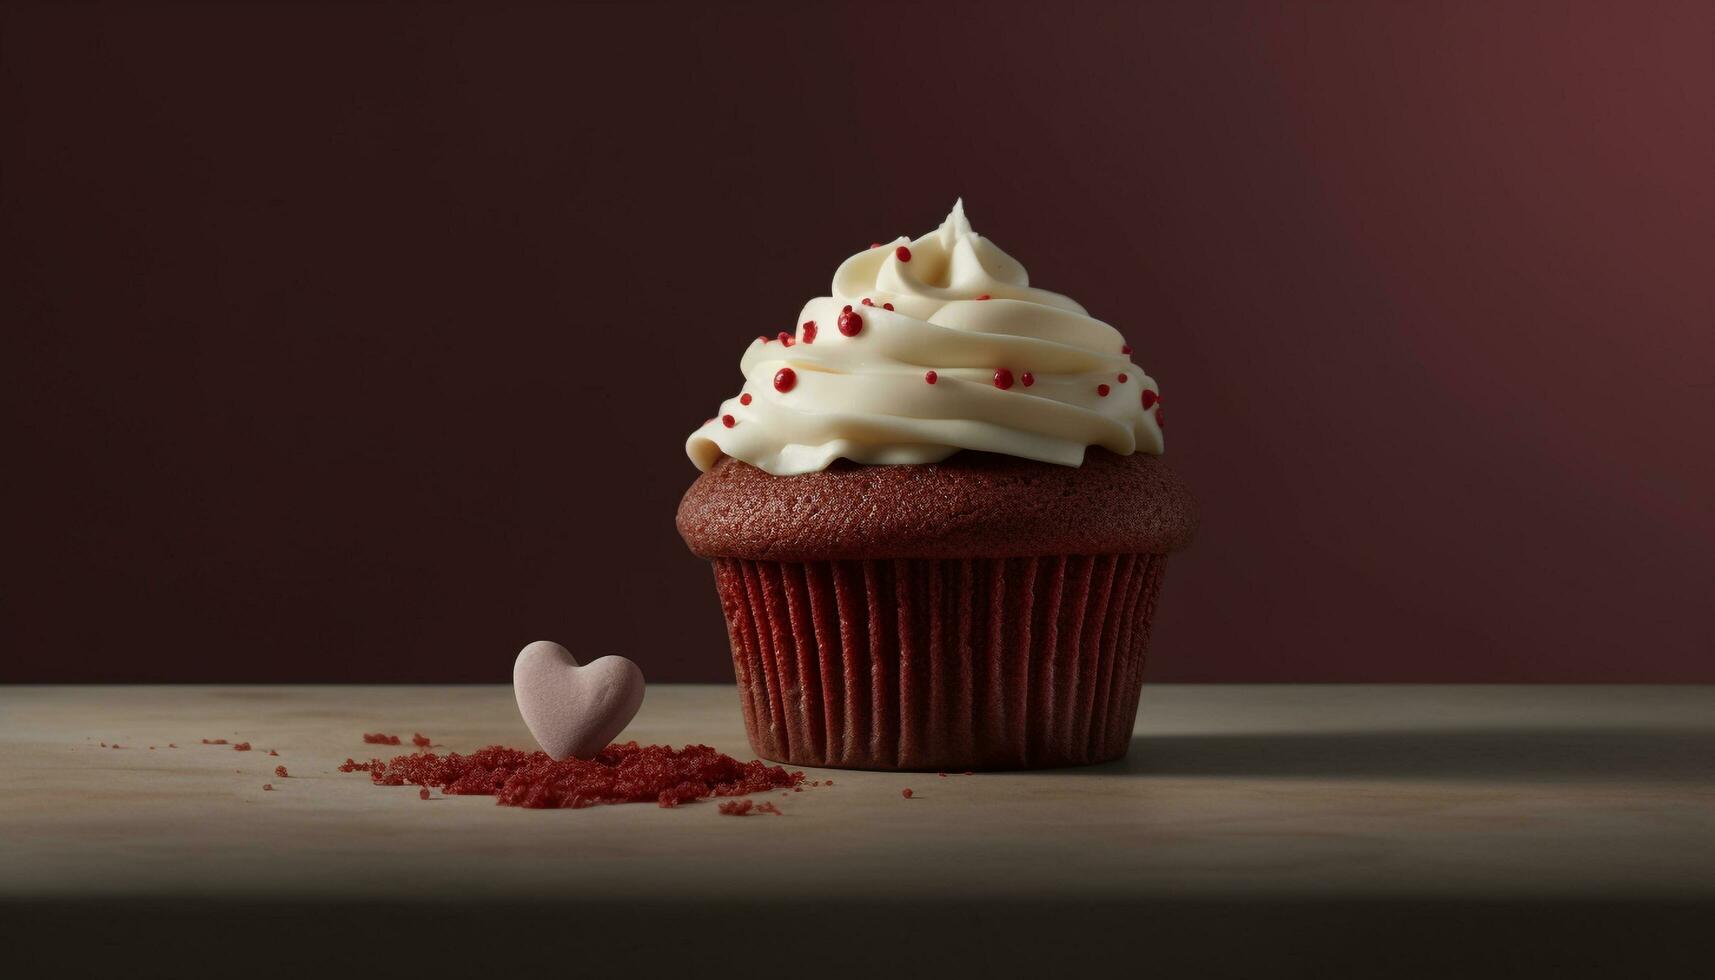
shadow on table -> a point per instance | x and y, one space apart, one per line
1502 754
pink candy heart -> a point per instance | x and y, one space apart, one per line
572 710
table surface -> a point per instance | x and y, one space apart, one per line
1236 793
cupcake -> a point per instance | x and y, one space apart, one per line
938 518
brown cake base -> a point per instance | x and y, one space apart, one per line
940 664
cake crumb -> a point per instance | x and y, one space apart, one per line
214 741
906 792
241 747
267 785
377 738
272 752
420 740
280 771
622 773
423 793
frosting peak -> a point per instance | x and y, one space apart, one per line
950 263
927 347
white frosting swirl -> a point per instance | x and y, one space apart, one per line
962 309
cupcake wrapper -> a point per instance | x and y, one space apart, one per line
928 664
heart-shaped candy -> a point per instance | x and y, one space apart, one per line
573 710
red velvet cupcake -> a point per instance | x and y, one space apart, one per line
939 519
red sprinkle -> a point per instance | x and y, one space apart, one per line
784 379
1103 390
887 306
807 332
280 771
744 399
984 296
866 301
423 793
622 773
930 376
726 420
1126 349
902 253
376 738
850 323
1002 378
906 793
1122 379
1028 379
241 747
1149 399
785 339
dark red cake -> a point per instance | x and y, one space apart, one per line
985 612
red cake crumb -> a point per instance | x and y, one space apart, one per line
151 748
104 745
280 771
376 738
827 782
769 808
116 745
942 775
736 808
423 793
272 752
622 773
906 793
241 747
420 740
267 785
172 745
214 741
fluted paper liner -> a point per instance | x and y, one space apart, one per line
926 664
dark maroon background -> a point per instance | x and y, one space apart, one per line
361 342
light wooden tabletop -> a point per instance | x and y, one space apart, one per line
1233 797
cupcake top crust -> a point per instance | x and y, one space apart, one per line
926 348
972 505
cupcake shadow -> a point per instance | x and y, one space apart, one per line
1608 755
